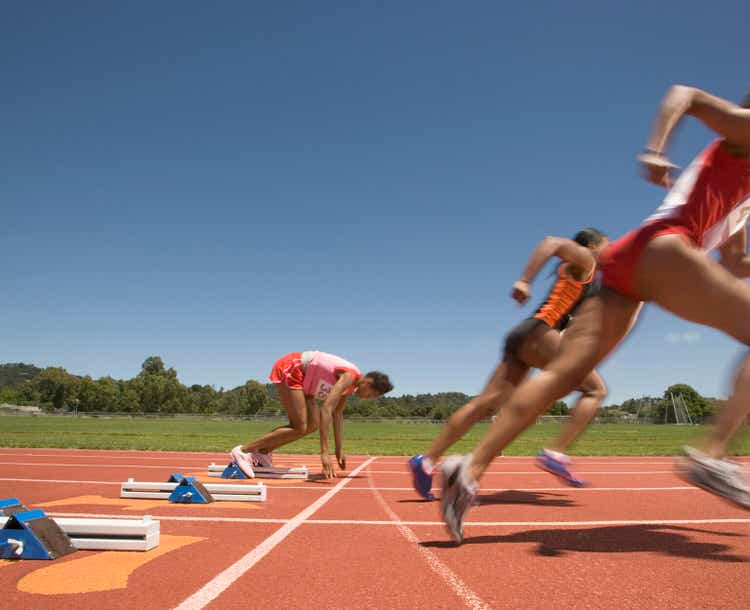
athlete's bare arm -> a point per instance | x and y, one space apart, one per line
338 431
729 120
326 415
733 254
580 258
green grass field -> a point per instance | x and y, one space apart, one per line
390 438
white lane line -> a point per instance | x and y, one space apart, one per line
314 487
203 463
66 481
536 523
221 582
170 518
172 467
129 454
459 587
415 523
100 466
583 458
504 472
202 466
563 489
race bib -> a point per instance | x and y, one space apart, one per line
323 390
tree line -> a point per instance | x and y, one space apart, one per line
156 389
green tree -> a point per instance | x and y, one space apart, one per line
153 365
698 406
10 396
559 408
254 397
158 389
57 387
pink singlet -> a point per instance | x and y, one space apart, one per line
313 372
321 373
708 204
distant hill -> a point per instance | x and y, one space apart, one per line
13 374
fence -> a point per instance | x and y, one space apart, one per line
281 416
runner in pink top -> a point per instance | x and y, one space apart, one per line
301 379
323 371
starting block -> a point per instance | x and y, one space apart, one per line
231 471
83 534
188 490
30 534
10 506
109 534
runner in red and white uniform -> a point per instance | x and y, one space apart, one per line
301 379
663 261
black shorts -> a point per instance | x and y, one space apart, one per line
515 338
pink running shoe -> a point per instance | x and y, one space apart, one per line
262 460
243 461
558 464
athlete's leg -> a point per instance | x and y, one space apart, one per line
540 352
593 392
693 286
601 323
508 374
295 405
313 415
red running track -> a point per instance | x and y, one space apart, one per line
637 537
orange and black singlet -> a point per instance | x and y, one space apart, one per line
565 296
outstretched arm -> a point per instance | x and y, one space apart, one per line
338 432
577 256
727 119
326 414
733 254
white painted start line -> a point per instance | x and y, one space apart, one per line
316 487
222 581
719 521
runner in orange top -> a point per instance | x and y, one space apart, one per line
532 344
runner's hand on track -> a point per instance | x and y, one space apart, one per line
341 458
521 291
656 168
328 471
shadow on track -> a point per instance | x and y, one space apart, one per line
668 540
511 496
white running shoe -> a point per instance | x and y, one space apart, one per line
262 460
243 461
721 477
458 495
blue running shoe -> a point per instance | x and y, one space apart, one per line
420 479
559 466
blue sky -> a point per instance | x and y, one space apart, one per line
220 185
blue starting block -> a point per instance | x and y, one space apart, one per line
189 490
30 534
178 488
10 506
232 471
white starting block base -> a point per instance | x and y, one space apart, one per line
229 493
298 472
109 534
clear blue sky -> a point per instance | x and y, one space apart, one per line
221 183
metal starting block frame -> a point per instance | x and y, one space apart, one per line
232 471
31 534
190 491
